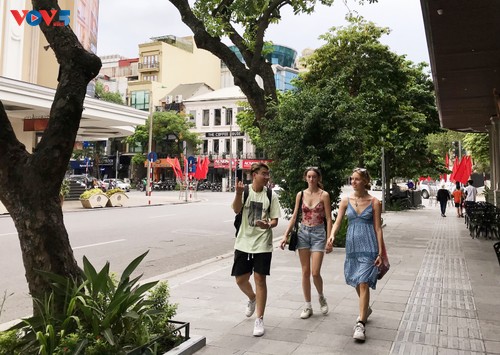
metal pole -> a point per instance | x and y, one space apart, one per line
184 150
230 152
383 180
150 147
117 165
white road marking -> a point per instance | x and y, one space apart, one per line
165 215
8 234
97 244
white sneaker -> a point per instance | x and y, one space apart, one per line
367 315
306 313
258 329
250 308
324 305
359 332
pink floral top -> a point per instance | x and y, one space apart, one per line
313 216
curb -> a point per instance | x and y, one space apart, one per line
189 347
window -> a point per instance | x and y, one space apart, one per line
192 115
217 117
228 146
140 100
216 146
205 147
239 146
229 116
206 118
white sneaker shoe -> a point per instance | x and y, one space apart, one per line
306 313
324 305
367 315
359 332
258 329
250 308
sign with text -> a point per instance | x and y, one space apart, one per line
247 163
224 134
224 163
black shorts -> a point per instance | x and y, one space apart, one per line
245 263
457 205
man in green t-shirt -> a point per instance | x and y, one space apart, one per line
254 242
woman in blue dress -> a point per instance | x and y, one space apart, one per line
364 236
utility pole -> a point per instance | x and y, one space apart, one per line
230 151
150 146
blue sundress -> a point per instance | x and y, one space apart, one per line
361 248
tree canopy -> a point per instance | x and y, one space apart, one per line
362 97
212 20
170 129
101 94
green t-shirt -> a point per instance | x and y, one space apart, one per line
252 239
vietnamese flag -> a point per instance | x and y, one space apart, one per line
461 174
446 165
205 167
454 170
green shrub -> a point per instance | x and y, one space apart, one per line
87 194
64 192
113 191
96 315
341 234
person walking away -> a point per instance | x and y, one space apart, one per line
470 192
364 242
315 205
443 195
254 241
458 198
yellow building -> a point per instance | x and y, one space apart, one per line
28 74
167 62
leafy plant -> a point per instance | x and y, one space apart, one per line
100 315
341 234
64 188
113 191
87 194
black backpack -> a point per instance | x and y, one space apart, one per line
239 216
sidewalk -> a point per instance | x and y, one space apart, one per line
441 296
139 199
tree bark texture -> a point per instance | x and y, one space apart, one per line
30 181
245 76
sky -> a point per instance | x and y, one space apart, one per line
123 24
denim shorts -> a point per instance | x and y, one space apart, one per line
313 238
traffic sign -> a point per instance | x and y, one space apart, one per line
152 156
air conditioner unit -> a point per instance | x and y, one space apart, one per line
169 99
178 98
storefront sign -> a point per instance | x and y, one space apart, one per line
224 163
224 134
247 163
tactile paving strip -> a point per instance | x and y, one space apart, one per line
441 316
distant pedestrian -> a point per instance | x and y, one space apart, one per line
254 241
470 192
458 199
314 204
364 242
443 195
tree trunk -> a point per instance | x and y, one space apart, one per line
30 182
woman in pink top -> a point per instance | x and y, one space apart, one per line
315 208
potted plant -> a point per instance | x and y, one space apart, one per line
64 192
100 314
116 197
93 198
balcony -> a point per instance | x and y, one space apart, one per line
149 67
